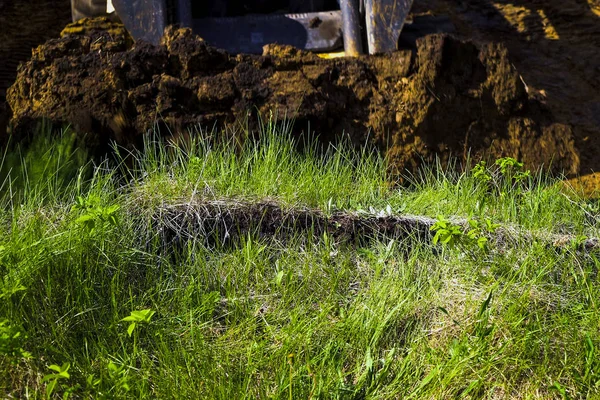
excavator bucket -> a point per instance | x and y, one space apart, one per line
144 19
316 31
147 19
384 22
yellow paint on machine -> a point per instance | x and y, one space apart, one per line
329 56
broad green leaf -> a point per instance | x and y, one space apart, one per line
85 218
48 377
130 328
50 387
54 367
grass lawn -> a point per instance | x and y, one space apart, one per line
101 299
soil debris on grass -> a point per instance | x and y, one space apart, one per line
450 98
225 222
228 221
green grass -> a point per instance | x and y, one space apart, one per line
306 318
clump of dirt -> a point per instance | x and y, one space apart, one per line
449 98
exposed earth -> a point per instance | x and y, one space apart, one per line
224 222
520 79
23 25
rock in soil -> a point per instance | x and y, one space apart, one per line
450 98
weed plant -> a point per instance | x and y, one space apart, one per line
92 307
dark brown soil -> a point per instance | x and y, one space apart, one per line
25 24
553 44
449 98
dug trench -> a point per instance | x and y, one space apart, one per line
447 98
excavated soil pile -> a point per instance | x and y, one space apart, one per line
25 24
555 45
449 98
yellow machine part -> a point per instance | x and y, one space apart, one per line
332 55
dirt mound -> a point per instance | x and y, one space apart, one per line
449 98
25 24
555 45
464 97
